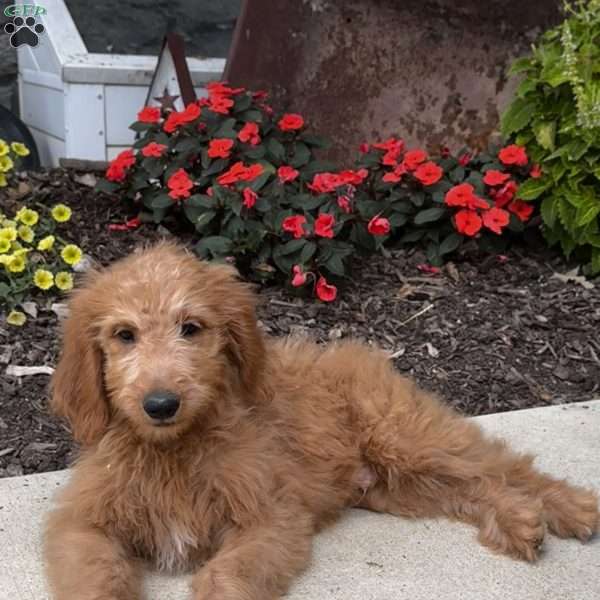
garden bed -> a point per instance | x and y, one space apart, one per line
487 334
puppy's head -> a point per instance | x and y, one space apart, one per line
157 340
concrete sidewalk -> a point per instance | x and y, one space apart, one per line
378 557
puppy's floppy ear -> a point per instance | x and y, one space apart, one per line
245 347
77 384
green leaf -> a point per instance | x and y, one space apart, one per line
335 265
216 167
549 210
251 115
314 140
139 126
545 134
161 201
587 211
276 149
200 201
450 243
533 188
242 103
108 187
226 130
205 218
187 144
526 86
520 65
577 148
458 174
429 215
308 251
301 155
215 245
518 115
413 236
398 219
595 261
291 247
255 152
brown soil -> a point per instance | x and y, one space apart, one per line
487 334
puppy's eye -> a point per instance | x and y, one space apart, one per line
188 329
126 336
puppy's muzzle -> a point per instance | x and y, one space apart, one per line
161 405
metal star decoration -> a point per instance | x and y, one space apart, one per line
166 100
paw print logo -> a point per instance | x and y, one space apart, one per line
24 31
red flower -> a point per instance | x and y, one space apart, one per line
180 185
325 291
467 222
390 144
495 219
290 122
378 226
191 113
293 225
117 170
364 148
220 148
220 104
536 171
172 122
428 269
522 210
513 155
153 149
465 159
428 173
249 134
239 172
493 177
324 183
413 158
444 153
299 277
324 225
130 224
287 174
505 194
464 195
350 177
396 175
344 204
149 114
260 95
249 198
219 88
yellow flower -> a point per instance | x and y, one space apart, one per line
63 281
4 246
3 182
6 164
61 213
46 243
43 279
9 223
27 216
17 264
71 254
26 233
5 259
8 233
19 149
17 318
4 148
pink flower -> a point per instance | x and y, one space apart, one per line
325 291
249 134
287 174
294 225
344 204
413 158
291 122
153 149
494 177
324 225
299 278
378 226
249 197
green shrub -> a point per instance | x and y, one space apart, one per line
556 115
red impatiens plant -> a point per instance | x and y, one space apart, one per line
445 202
248 182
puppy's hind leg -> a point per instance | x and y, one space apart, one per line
430 462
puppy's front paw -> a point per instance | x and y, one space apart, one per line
517 531
572 512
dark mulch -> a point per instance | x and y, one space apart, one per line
487 334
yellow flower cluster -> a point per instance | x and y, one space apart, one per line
32 255
10 154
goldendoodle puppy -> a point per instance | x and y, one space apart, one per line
208 446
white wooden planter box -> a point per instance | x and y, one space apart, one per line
79 105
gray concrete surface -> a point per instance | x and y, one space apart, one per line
378 557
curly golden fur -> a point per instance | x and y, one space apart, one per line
271 441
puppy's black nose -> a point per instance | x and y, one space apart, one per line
161 404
